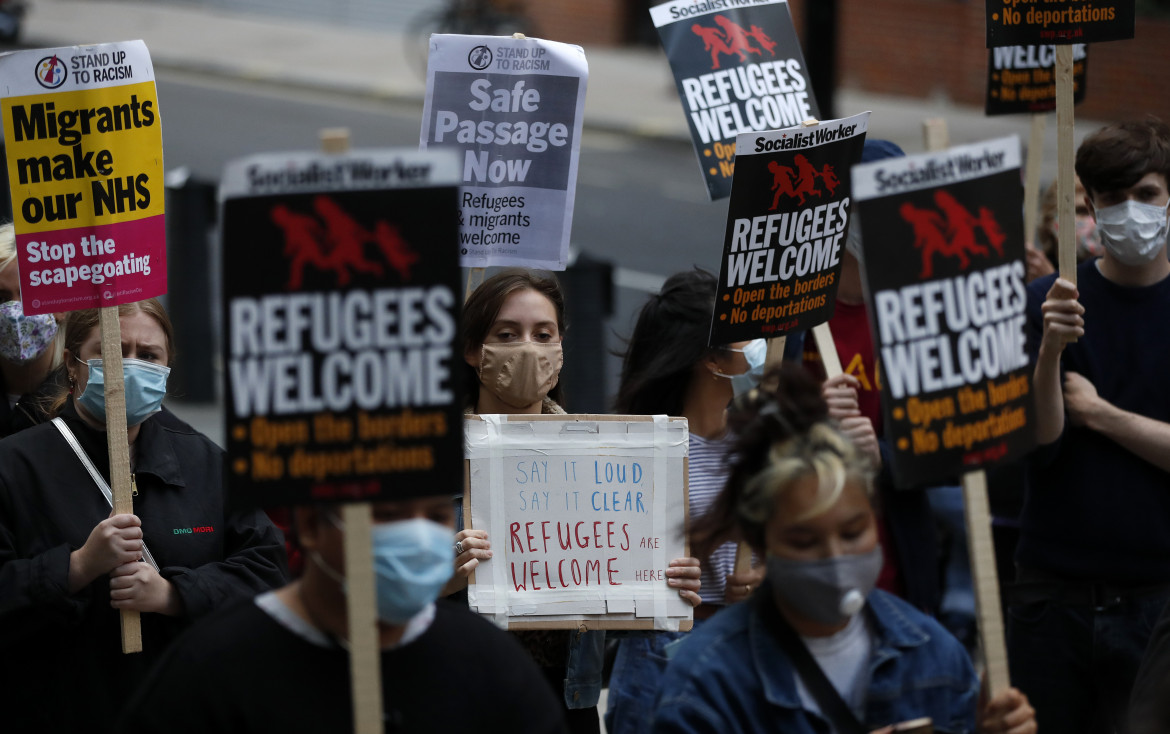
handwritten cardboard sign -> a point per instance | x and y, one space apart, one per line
341 299
1022 22
786 228
585 513
84 144
739 69
514 110
1022 79
943 251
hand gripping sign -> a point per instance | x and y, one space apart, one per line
84 145
513 109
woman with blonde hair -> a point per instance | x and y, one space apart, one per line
30 348
817 648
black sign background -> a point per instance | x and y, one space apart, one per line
1028 90
752 197
690 60
1029 22
893 260
389 240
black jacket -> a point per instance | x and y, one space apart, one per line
62 652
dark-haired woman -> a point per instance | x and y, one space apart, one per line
816 648
513 325
68 564
669 369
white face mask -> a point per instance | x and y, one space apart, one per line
1132 232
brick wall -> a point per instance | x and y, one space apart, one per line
916 48
924 47
583 22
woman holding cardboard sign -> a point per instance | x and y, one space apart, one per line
513 325
67 564
816 645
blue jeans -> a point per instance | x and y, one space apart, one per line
1077 663
633 684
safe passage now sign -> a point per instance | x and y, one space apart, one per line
341 297
585 514
513 108
85 168
943 252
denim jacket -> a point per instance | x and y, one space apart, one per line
731 676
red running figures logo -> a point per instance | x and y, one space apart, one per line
801 183
336 242
950 230
728 38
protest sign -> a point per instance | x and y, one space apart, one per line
786 226
739 69
1022 22
585 514
513 109
1022 79
943 255
84 146
341 299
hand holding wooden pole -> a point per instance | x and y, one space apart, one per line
119 448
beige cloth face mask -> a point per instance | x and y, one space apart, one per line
520 373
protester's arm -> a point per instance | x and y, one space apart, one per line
684 574
1008 712
476 547
740 586
1063 323
34 591
254 561
840 393
1142 436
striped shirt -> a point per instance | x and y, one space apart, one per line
707 473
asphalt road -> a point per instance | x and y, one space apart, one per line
641 205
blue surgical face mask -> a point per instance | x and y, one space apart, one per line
145 384
755 353
412 561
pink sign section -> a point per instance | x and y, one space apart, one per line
92 266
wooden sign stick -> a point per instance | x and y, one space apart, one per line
984 577
365 671
985 580
1032 177
474 280
119 448
1065 184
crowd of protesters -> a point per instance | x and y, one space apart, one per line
839 625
